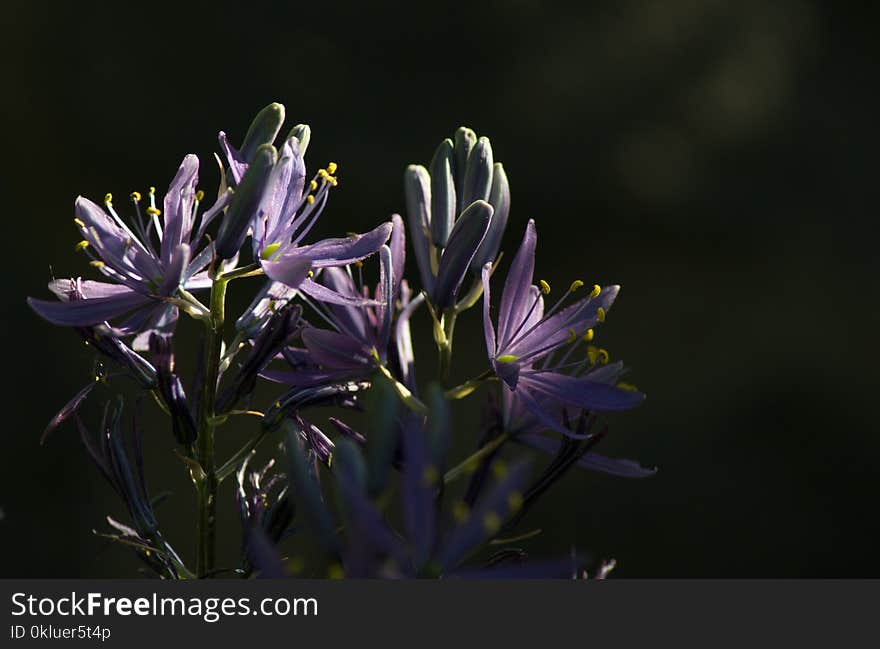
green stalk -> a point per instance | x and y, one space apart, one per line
471 461
445 345
207 486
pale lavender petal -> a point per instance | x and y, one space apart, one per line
178 207
208 215
398 251
237 164
488 327
344 251
163 321
349 318
175 271
592 461
334 350
517 289
66 289
290 269
583 393
324 294
81 313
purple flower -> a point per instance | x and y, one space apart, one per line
146 262
360 330
281 208
523 349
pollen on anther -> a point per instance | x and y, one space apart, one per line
136 197
152 190
79 222
313 185
108 198
588 335
545 287
155 211
82 245
331 167
600 314
200 196
460 511
491 522
97 263
575 285
596 290
310 199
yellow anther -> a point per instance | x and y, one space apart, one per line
97 264
313 185
507 358
311 274
136 197
600 314
430 476
108 198
152 190
515 501
79 222
358 264
322 173
596 290
331 167
270 250
592 354
627 386
545 287
82 245
572 336
460 511
575 285
200 196
310 199
588 335
603 356
332 180
155 211
491 522
499 469
296 565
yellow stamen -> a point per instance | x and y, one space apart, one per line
97 264
507 358
600 314
592 354
322 173
313 185
596 290
311 274
627 386
82 245
200 196
575 285
545 287
572 336
603 356
332 180
136 197
491 522
108 198
310 199
331 167
588 335
269 250
499 469
152 190
154 211
79 222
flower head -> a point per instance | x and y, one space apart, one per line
146 260
523 349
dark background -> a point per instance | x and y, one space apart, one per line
717 159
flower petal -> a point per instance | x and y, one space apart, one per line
334 350
347 250
80 313
580 392
517 288
488 327
178 207
289 269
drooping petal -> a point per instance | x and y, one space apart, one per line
323 294
517 288
68 410
289 269
466 237
335 350
347 250
81 313
580 392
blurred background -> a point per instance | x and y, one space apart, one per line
716 159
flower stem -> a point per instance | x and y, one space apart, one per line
445 345
471 461
207 486
463 390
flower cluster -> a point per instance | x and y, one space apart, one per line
374 490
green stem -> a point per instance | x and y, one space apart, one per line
207 486
445 345
470 462
463 390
